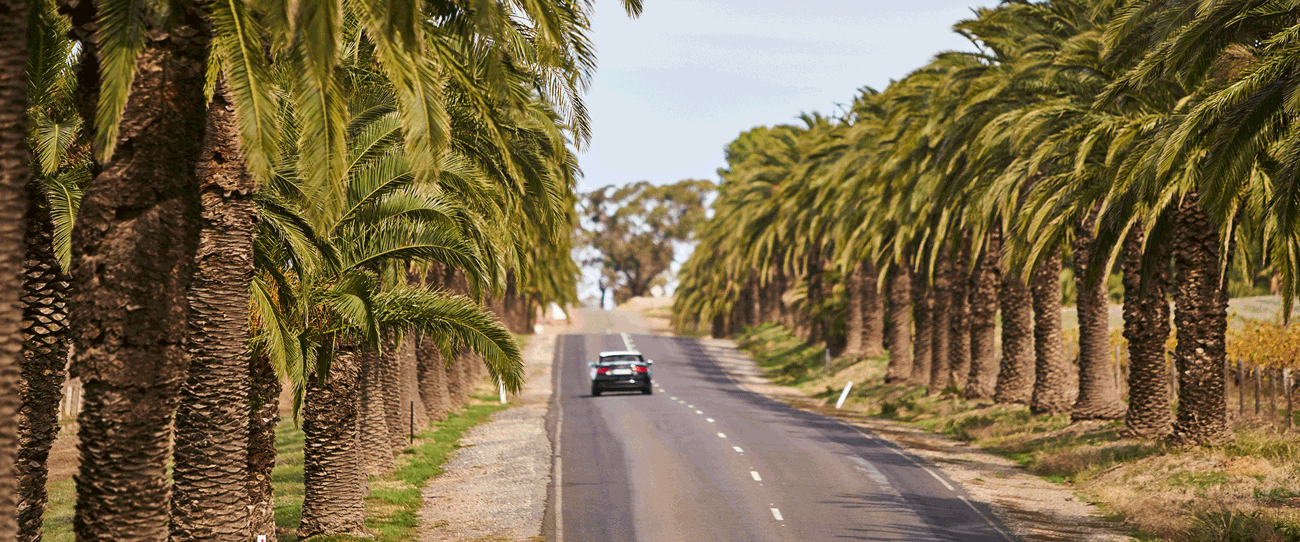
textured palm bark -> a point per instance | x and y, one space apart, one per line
959 320
264 409
412 413
390 393
433 380
45 349
1051 369
985 281
134 250
332 500
411 380
1016 370
1146 328
15 173
940 369
209 502
457 389
854 332
873 313
374 448
923 340
810 318
1200 316
1099 397
900 325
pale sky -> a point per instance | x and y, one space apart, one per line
675 86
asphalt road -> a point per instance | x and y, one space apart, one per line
703 460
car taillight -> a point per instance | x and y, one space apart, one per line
602 370
642 369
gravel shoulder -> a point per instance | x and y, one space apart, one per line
494 488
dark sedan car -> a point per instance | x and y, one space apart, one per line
621 370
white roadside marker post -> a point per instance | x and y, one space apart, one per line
844 395
503 393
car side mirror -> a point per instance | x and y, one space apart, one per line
591 364
649 362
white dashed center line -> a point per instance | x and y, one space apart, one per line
737 449
709 419
722 435
690 406
674 398
777 514
699 412
757 478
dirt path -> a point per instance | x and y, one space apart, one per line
495 486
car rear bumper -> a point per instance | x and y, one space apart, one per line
622 382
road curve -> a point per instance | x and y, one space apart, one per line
702 459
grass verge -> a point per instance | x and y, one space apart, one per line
393 506
1248 490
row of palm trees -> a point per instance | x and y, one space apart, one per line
206 199
1153 136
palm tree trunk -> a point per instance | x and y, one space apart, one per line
1146 327
873 313
44 363
332 500
1200 316
854 330
940 369
134 252
1098 387
374 446
15 173
923 341
389 375
264 404
900 325
410 375
959 320
209 502
433 379
1016 371
985 280
457 380
1051 371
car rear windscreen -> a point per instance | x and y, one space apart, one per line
613 359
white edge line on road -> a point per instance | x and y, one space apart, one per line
936 477
890 446
777 514
737 449
722 435
754 474
627 341
977 511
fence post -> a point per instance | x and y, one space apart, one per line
1286 389
1241 389
412 425
1272 394
1259 383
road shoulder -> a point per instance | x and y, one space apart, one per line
495 487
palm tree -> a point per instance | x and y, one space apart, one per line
14 176
211 426
1146 327
134 249
1051 369
1016 375
985 282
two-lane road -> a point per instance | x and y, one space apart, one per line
702 459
